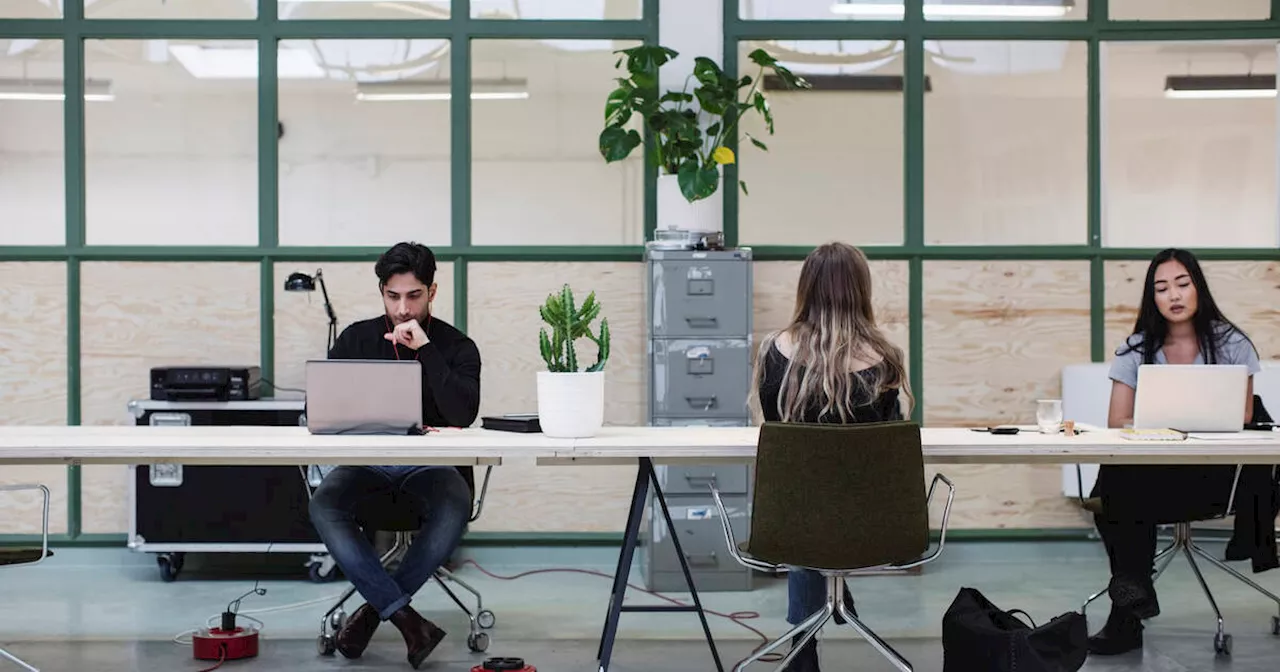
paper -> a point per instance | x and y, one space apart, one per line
1231 436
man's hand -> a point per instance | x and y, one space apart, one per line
408 334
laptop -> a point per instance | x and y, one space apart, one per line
364 396
1191 397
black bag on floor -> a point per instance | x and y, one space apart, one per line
978 636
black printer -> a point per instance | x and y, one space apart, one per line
205 383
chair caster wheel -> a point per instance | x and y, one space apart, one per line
1222 644
337 620
478 642
487 620
325 645
1275 625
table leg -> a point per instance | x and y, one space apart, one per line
645 476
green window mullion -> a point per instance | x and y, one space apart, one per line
460 294
74 177
652 38
730 172
268 185
460 124
1097 268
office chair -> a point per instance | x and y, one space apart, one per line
841 500
27 555
401 516
1184 542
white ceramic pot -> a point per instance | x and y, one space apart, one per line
675 212
570 405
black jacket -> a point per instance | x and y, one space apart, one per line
450 370
1257 505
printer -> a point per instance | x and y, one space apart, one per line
206 383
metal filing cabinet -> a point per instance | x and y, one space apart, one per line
699 373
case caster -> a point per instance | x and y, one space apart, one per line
170 565
337 620
1275 625
486 619
322 569
1222 644
325 645
478 642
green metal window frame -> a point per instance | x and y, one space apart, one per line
461 29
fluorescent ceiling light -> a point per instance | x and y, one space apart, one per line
1011 9
52 90
1201 87
407 91
235 62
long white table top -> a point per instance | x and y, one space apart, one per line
614 445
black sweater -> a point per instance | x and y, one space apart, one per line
450 369
882 408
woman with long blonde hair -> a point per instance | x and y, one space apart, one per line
830 364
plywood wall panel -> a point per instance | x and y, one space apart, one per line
1246 291
139 315
33 383
503 300
996 336
301 324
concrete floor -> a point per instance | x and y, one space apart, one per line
107 610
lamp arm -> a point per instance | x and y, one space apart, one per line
328 309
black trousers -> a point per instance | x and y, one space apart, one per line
1135 499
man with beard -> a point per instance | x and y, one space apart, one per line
450 398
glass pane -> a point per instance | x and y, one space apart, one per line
818 10
999 10
364 156
834 167
30 9
32 179
172 159
168 9
1189 144
1006 143
1175 10
537 177
556 9
418 10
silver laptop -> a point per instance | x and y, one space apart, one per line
1191 397
364 396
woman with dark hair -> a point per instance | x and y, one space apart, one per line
1178 323
830 364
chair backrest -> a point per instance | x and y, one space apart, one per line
838 497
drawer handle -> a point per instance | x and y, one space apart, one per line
704 403
702 560
703 322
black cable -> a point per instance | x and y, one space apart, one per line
283 389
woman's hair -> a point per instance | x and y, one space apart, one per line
1212 327
832 330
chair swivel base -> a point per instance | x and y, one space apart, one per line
1183 542
809 627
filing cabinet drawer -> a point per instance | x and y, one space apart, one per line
697 522
699 298
729 479
701 378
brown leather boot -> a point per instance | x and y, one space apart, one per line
420 635
355 635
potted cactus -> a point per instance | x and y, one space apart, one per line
571 402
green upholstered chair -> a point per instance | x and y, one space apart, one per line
27 555
840 500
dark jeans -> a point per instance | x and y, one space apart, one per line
806 594
445 500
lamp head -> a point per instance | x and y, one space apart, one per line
300 282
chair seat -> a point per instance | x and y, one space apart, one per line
392 511
20 556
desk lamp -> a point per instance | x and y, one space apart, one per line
301 282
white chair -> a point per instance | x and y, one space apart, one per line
27 555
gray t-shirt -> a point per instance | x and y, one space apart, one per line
1235 349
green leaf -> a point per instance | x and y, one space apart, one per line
789 79
616 143
697 182
762 106
762 58
713 100
706 71
676 97
744 187
713 130
757 143
617 107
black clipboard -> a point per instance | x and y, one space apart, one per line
525 423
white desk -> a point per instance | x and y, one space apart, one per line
614 445
644 446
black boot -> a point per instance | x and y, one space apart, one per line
807 659
1121 634
1136 596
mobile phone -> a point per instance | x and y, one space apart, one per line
997 430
